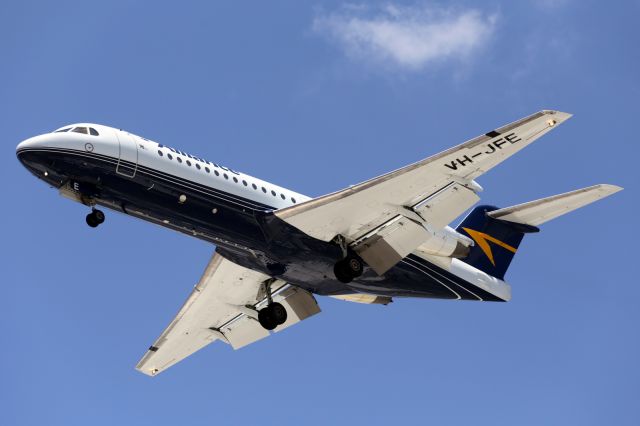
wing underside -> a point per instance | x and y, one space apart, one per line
223 306
386 218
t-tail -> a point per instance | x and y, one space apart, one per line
497 233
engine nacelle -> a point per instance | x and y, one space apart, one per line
448 243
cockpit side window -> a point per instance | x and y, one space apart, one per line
80 130
66 129
93 131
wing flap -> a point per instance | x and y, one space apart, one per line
439 209
223 306
244 331
357 210
300 305
386 246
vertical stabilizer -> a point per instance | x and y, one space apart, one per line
496 241
497 233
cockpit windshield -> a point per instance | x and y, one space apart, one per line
79 129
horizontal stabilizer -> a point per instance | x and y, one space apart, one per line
537 212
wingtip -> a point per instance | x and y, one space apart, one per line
610 189
558 116
151 372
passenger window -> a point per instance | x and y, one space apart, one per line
188 163
207 169
170 157
160 153
179 159
235 179
273 192
264 189
226 176
254 186
293 199
80 130
94 132
244 182
198 166
282 196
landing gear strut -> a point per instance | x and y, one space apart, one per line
350 266
274 314
95 218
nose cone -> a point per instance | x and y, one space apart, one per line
27 144
30 151
22 145
34 158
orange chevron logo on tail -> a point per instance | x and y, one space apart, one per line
483 240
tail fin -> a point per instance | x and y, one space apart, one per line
496 240
498 232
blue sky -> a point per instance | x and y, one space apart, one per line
315 96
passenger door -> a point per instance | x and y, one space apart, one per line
128 154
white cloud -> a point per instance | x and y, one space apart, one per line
408 37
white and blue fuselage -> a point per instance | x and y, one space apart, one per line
100 165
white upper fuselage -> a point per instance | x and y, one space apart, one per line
120 144
132 155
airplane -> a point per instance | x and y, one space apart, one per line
275 248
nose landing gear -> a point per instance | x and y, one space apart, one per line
95 218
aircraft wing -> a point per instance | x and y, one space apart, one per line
400 210
223 306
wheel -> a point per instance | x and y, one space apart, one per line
348 268
92 221
266 318
341 272
278 312
99 215
354 265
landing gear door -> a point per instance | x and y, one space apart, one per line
128 154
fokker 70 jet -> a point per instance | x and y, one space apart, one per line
386 237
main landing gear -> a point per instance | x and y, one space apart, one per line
271 316
274 314
348 268
95 218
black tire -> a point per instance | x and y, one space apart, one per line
92 221
341 271
99 215
278 312
266 319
